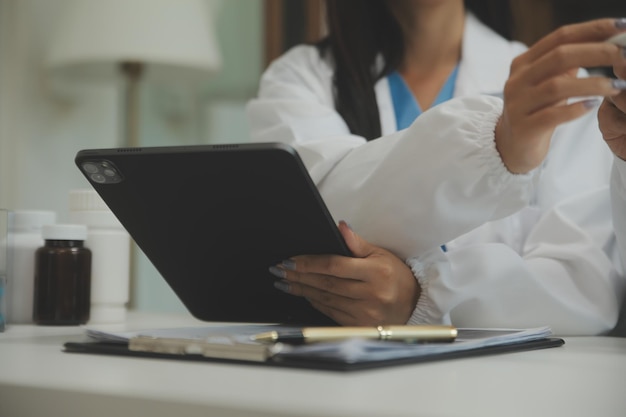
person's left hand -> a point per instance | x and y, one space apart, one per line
612 115
373 288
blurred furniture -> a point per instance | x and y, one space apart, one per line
160 40
290 22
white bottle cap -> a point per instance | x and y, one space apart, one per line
86 200
30 219
88 208
64 232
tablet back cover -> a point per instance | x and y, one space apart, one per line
213 218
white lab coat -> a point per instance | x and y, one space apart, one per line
523 250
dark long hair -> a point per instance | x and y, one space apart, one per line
362 31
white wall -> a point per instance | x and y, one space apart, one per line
40 132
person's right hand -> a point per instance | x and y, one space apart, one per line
371 288
541 81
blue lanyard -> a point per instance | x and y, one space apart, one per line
405 105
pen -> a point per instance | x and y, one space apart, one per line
420 333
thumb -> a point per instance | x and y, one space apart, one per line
359 247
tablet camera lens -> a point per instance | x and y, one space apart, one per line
99 178
90 168
102 172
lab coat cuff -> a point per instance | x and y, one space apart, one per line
425 312
498 175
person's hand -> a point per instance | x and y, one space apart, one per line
544 78
612 114
373 288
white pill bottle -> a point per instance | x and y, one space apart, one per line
24 238
109 243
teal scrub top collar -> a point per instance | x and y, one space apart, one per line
405 106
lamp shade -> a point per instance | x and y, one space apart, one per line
173 39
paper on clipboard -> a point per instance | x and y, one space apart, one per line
234 342
221 347
224 342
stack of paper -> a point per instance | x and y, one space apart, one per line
235 342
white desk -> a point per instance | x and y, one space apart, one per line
586 377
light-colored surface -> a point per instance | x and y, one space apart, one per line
586 377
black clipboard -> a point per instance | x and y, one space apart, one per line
213 218
316 363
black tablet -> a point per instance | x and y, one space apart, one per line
213 218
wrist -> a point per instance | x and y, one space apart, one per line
519 156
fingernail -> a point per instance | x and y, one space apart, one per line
347 224
620 23
591 103
282 286
619 84
278 272
289 264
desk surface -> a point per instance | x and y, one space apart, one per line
586 377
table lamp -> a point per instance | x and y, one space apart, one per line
170 41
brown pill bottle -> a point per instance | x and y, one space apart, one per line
62 293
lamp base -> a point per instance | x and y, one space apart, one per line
132 72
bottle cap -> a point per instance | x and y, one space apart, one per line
30 219
88 208
64 232
86 200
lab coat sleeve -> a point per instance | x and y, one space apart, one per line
402 191
618 202
555 262
562 278
421 187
